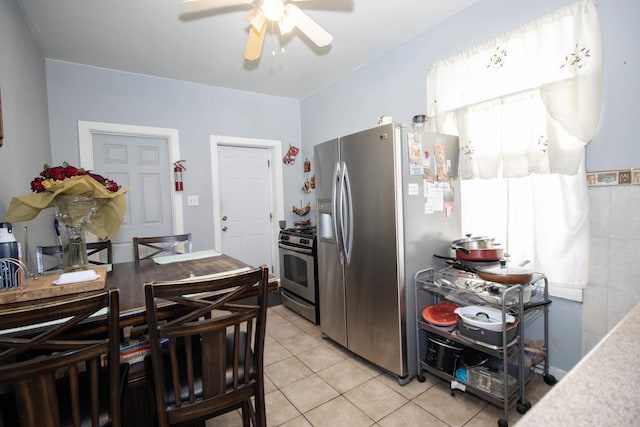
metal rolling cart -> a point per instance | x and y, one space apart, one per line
465 289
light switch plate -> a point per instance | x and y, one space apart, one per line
193 200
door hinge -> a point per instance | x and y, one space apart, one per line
268 163
270 216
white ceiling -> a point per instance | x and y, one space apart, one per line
153 37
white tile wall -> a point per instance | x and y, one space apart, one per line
614 275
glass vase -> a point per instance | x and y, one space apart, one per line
74 248
73 213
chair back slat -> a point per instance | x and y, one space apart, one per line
213 360
102 250
161 245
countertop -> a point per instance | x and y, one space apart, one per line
602 389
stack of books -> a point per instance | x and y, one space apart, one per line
134 350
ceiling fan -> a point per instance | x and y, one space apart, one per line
287 15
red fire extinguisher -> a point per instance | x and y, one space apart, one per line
178 167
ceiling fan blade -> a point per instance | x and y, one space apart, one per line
197 5
308 26
253 50
256 18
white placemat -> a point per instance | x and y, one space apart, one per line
186 257
76 277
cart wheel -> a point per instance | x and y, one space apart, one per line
421 378
503 423
523 407
453 393
550 379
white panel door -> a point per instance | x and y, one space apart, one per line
143 164
244 204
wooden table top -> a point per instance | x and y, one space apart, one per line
130 277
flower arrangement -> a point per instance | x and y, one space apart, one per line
56 186
51 176
83 200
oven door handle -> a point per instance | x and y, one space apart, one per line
296 249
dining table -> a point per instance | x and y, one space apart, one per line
130 277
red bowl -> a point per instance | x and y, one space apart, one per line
442 314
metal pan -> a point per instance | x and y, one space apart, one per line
505 274
492 254
469 266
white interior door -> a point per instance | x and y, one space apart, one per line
140 158
275 182
244 204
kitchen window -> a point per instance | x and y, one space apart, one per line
524 106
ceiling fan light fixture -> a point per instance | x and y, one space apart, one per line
287 23
273 9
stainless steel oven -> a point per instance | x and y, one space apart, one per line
299 272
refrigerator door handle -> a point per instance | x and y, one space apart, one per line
341 216
336 208
347 223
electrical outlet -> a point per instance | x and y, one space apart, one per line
193 200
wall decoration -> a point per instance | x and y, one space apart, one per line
613 177
290 157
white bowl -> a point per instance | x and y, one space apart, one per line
483 317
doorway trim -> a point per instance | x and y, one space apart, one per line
86 130
276 187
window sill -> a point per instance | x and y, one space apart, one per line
571 294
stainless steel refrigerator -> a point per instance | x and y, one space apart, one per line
387 200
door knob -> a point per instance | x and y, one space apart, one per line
224 228
224 218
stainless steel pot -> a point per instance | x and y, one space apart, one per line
478 248
488 254
475 242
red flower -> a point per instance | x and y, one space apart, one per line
111 186
56 173
50 175
36 184
99 178
70 171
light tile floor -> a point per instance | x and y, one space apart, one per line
311 381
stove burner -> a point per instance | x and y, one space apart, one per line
298 237
300 231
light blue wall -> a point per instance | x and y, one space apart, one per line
82 93
395 85
616 145
24 107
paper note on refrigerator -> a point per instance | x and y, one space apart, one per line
415 153
441 161
435 197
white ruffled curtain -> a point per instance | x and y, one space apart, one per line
524 106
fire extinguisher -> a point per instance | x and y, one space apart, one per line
178 167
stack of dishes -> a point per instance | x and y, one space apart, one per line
441 316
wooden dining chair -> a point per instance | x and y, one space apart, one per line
208 360
101 250
157 245
51 364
